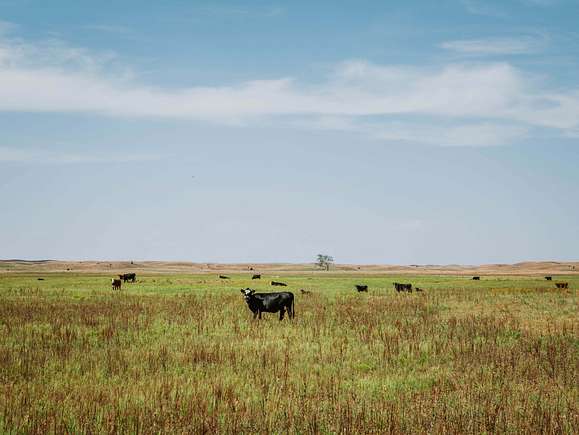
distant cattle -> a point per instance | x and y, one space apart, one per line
116 283
403 287
223 277
361 287
40 279
269 303
305 292
281 284
256 276
562 284
476 278
128 277
548 278
418 289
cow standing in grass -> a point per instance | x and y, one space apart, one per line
116 283
269 303
403 287
126 277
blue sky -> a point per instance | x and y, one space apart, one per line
377 132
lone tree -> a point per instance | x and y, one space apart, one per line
324 261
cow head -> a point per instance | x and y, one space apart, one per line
247 293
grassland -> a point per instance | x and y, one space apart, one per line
181 353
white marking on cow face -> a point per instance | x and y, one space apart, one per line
247 292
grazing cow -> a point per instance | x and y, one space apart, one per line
361 287
549 278
418 289
128 277
403 287
305 292
476 278
562 284
281 284
116 283
40 279
269 303
223 277
256 276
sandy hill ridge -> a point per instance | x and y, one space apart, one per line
113 267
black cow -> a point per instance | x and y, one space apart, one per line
223 277
418 289
361 288
281 284
269 303
476 278
548 278
256 276
403 287
562 284
305 292
128 277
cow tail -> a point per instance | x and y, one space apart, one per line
293 307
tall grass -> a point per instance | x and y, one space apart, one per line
183 354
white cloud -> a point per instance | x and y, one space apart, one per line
471 104
495 46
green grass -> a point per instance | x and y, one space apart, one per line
181 353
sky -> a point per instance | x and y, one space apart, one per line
400 132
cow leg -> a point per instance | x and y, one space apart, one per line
259 314
281 313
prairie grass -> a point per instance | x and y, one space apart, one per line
181 353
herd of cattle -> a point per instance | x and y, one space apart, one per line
283 302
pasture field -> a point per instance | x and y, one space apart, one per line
182 354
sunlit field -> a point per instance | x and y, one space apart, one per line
182 353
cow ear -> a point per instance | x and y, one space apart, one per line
252 292
242 291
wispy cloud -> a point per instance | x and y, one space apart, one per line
471 104
110 28
242 11
540 2
19 155
496 46
478 7
6 27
